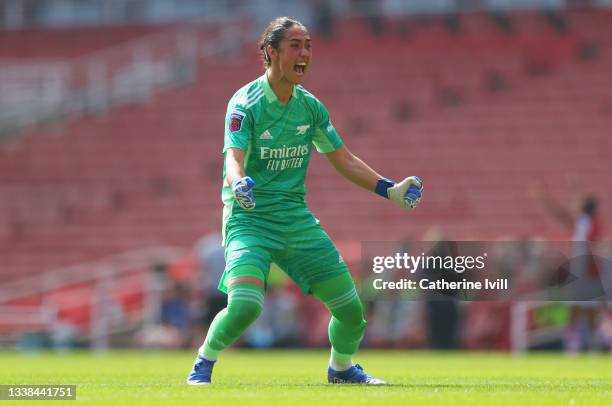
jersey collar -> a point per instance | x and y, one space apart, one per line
270 95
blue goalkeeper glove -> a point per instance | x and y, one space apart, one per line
243 192
406 194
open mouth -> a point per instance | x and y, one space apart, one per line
299 68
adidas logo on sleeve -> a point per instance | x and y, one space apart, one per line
265 135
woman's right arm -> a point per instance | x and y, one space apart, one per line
242 186
234 165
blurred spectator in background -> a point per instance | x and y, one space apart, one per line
586 227
396 321
323 13
396 315
175 313
486 326
171 327
371 10
279 325
441 308
582 220
211 264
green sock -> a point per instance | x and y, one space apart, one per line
347 325
207 351
244 305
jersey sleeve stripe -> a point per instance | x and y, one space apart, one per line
254 95
253 102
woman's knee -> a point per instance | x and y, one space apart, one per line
245 311
245 302
351 314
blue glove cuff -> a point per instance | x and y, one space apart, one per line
382 186
249 182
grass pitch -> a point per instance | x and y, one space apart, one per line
299 377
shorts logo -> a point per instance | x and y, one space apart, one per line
238 254
301 129
236 120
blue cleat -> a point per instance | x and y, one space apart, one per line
354 374
201 372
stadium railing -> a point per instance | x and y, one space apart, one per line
98 299
48 91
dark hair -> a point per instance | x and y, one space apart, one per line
273 34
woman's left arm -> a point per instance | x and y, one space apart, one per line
353 168
406 194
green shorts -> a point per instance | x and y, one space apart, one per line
303 251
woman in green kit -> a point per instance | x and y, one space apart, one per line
270 128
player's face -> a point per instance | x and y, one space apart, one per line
294 54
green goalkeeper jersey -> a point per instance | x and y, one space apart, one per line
277 139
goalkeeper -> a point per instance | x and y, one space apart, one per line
270 128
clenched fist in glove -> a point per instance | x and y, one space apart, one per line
243 192
406 194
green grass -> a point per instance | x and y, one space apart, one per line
299 377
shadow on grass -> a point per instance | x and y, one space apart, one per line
337 386
478 386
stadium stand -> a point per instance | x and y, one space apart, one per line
477 114
65 43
